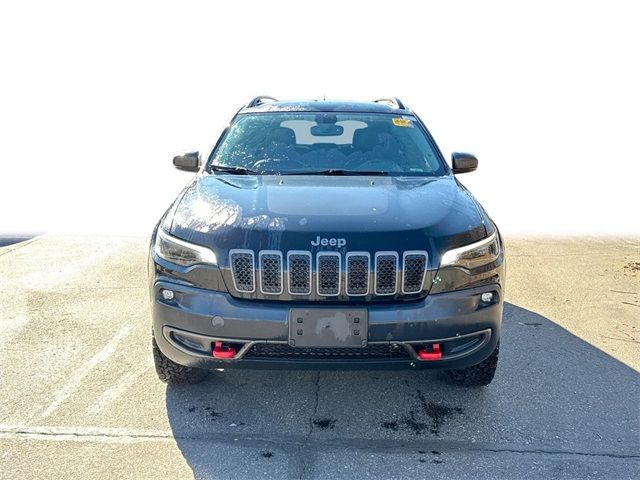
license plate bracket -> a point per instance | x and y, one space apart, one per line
328 327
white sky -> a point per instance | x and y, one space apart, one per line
95 99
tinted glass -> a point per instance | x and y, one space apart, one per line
311 141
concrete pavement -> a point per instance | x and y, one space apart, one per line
79 397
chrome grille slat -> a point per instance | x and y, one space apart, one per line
243 270
386 273
414 267
271 272
299 265
357 270
328 273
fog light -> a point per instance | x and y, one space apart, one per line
167 294
487 297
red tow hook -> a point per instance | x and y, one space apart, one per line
434 354
223 352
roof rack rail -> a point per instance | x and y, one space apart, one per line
259 100
391 100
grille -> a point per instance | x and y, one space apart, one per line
283 351
414 264
299 273
328 273
357 273
243 270
271 272
386 273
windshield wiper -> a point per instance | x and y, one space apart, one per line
234 169
336 171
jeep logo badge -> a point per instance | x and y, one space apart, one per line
332 242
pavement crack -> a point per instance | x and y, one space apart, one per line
315 405
633 340
127 435
302 450
555 452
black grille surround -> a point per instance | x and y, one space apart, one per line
242 265
299 275
414 269
328 268
357 282
386 273
299 272
271 272
283 351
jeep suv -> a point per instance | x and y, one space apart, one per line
326 234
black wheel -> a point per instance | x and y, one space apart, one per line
478 375
171 372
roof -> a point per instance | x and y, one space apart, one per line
325 106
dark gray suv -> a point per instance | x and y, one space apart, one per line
326 234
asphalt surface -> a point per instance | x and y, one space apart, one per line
79 397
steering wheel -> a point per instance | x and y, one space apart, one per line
277 161
378 164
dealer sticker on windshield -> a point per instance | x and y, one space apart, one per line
402 122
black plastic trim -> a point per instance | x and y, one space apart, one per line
170 334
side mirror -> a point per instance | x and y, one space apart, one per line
463 162
189 162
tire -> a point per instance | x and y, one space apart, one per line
173 373
478 375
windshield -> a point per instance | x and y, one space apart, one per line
324 142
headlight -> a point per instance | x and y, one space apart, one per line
183 253
473 255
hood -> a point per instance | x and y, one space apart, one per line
290 212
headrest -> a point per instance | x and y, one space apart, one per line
365 139
284 135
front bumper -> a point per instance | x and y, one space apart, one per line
187 327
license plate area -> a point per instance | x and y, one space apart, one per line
328 327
